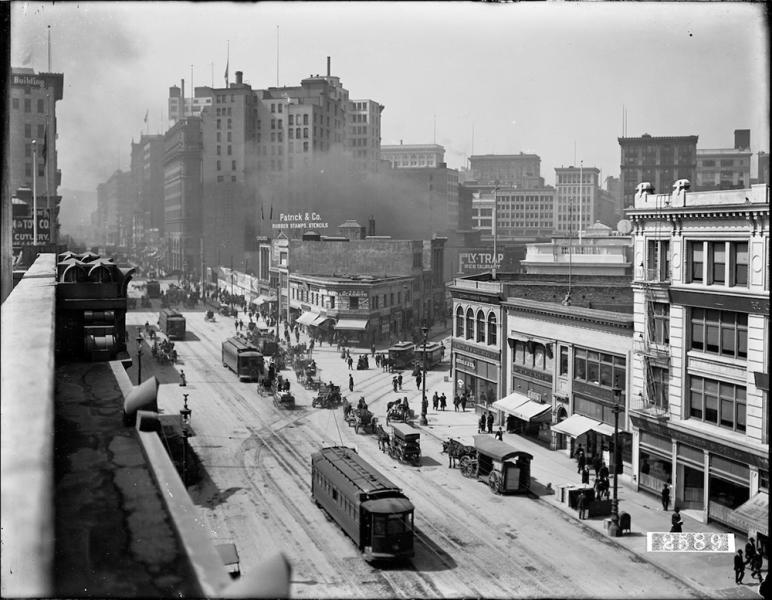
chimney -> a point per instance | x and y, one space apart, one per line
239 75
182 99
742 139
328 66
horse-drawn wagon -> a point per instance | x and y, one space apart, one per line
404 444
459 451
283 400
359 417
504 468
328 396
398 410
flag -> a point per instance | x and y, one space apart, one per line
227 64
45 146
262 214
270 217
147 112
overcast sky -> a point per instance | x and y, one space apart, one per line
545 78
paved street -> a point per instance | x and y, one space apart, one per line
256 492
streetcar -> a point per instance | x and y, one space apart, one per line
401 355
369 508
432 356
243 359
172 324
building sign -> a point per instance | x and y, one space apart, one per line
459 345
300 220
476 260
466 362
24 230
28 80
355 293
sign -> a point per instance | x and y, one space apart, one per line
535 396
300 220
30 80
476 260
689 541
355 293
24 230
463 361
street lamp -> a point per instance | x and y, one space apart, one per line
185 418
613 529
139 359
424 401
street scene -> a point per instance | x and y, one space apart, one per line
386 300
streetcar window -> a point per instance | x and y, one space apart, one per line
398 523
334 494
379 526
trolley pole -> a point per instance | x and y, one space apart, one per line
613 529
139 358
424 402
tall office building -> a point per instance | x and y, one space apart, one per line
507 170
363 139
147 179
725 168
181 107
413 156
577 197
115 210
657 160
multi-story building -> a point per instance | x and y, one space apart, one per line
521 214
115 210
363 136
699 389
148 183
413 156
182 196
763 168
181 107
33 132
507 170
725 168
578 200
656 160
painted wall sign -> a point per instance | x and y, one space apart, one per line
24 230
300 220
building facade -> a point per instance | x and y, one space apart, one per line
115 210
699 395
656 160
727 168
363 135
413 156
181 107
507 170
147 178
577 197
520 214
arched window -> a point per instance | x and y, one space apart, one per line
480 326
469 333
491 329
459 322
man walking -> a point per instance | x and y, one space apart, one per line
490 422
481 424
739 567
435 401
350 383
394 382
665 497
443 401
350 362
581 504
399 381
676 523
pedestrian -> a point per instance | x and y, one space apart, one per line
753 558
394 382
764 590
665 497
418 381
399 381
597 461
500 435
443 401
435 401
481 424
350 383
739 567
490 422
603 471
675 521
463 403
580 460
586 475
758 562
183 381
350 362
456 402
581 505
372 349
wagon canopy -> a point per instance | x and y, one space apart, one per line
405 432
497 450
388 505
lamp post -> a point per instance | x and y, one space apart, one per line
424 401
139 359
613 529
185 418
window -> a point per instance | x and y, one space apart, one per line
305 132
739 264
15 103
353 302
696 262
480 326
491 329
41 105
563 360
305 119
230 151
459 322
233 165
218 165
28 169
41 131
657 386
717 257
219 124
27 130
27 105
719 403
605 370
659 325
469 334
719 332
658 260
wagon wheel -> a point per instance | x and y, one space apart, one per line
356 427
494 482
468 467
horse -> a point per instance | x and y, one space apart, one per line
383 438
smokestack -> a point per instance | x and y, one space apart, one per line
328 66
239 75
182 99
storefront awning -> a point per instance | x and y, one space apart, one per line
319 320
509 403
355 324
604 429
530 410
575 425
306 318
263 298
753 513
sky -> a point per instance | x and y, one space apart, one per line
478 78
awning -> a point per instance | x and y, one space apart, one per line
753 513
509 403
575 425
355 324
319 320
263 298
529 410
306 318
604 429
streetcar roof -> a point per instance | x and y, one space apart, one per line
354 468
388 505
496 449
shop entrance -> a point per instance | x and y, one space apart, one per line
691 484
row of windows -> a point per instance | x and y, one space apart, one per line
719 332
233 165
717 402
331 491
532 355
718 263
465 328
41 105
602 369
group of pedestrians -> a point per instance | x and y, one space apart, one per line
753 558
460 401
439 402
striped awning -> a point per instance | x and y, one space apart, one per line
509 403
575 425
354 324
319 320
306 318
530 410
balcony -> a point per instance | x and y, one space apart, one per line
649 407
659 352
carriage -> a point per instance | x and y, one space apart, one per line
504 468
164 351
283 400
404 444
397 410
458 451
359 417
328 396
209 316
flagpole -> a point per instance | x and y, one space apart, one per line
51 221
34 192
227 61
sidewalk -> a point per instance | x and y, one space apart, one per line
710 573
